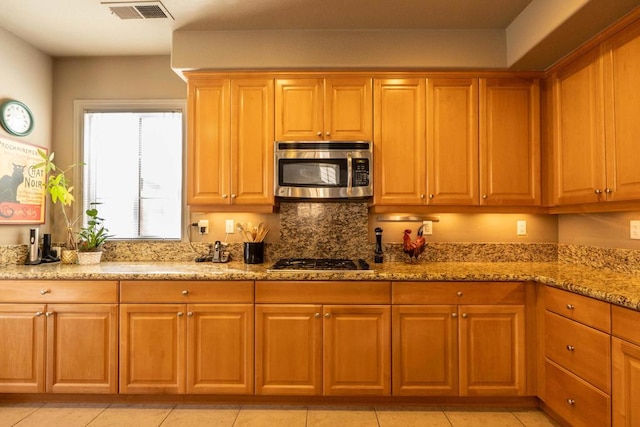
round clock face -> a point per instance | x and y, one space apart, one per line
16 118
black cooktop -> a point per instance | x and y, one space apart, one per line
319 265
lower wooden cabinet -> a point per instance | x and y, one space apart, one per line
470 349
58 337
316 349
625 351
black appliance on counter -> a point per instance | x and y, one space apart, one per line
319 265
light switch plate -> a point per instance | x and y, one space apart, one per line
427 228
634 229
521 228
229 226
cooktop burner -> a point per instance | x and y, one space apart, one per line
319 265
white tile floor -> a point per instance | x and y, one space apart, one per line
169 415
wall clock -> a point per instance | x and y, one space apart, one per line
16 118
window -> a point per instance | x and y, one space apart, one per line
133 170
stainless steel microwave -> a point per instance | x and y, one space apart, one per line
323 169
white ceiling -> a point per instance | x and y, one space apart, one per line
63 28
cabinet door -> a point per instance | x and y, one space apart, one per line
82 348
299 109
152 348
578 131
208 157
452 141
492 350
348 109
252 141
622 104
357 350
288 349
22 356
399 142
626 383
510 142
220 348
425 350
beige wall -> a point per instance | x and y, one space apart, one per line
25 75
606 230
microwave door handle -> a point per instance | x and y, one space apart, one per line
349 174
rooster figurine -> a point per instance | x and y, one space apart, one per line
413 249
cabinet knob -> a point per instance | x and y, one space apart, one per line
570 306
233 195
319 133
464 315
431 196
597 191
422 196
608 190
190 313
570 347
224 196
49 313
454 315
180 314
485 197
45 291
38 313
571 402
327 315
459 293
185 292
318 315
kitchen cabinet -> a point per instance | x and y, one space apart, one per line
466 339
626 367
230 141
186 337
58 336
510 142
577 363
311 109
333 338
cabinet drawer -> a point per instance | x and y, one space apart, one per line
576 401
70 291
322 292
625 322
589 311
458 293
177 291
582 350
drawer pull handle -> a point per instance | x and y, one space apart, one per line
570 306
571 401
45 291
464 315
38 313
190 313
318 315
570 347
49 313
185 293
459 293
327 315
180 314
454 315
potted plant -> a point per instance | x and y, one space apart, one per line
60 189
91 237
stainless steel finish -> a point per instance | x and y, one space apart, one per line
570 347
180 314
38 313
422 196
318 315
571 401
464 315
431 196
49 313
185 292
598 191
570 306
349 174
407 218
45 291
190 313
327 315
454 315
608 190
459 293
484 196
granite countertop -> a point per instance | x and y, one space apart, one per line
617 288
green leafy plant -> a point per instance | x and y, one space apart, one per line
94 234
60 189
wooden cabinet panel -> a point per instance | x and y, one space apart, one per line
82 348
299 109
357 350
624 323
22 334
579 349
399 141
458 293
59 291
492 350
425 350
621 106
626 383
452 141
152 342
589 311
323 292
576 401
348 110
288 349
186 291
220 348
510 142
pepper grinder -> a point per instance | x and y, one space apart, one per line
378 253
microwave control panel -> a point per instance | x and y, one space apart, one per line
360 172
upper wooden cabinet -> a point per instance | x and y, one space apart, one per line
510 142
230 141
323 109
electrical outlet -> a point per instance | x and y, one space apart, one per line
427 228
634 229
229 226
203 226
521 228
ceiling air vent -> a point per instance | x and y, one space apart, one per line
138 10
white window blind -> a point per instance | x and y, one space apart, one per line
134 171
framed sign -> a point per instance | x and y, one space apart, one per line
22 193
